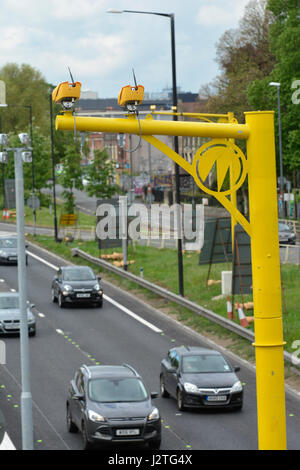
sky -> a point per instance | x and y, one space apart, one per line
101 48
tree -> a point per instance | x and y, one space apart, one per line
285 45
243 55
25 86
100 175
71 176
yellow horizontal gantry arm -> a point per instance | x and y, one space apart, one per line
149 126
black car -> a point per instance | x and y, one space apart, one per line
110 405
76 284
286 235
200 377
9 250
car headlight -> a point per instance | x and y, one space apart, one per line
97 286
190 388
93 416
237 387
153 415
67 289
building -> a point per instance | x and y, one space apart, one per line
134 157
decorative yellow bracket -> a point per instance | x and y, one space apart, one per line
260 167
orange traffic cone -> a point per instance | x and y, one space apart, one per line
7 215
243 319
230 314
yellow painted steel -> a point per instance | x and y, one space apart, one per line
269 342
258 131
151 126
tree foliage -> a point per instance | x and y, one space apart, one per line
100 175
243 55
71 176
285 45
25 86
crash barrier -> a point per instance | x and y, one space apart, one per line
182 301
290 254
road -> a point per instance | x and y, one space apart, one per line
67 338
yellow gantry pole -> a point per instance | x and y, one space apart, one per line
263 230
269 343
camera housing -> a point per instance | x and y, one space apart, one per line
66 94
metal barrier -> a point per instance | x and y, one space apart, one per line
166 294
290 254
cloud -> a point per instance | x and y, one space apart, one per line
218 13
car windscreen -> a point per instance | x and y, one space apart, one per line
9 302
8 243
78 275
111 390
205 363
284 228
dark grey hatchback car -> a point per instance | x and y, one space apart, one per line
76 285
110 406
200 378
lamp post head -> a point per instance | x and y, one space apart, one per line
277 84
114 10
4 140
25 139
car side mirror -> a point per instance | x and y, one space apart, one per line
154 394
77 396
237 369
99 278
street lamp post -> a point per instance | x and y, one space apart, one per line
20 154
176 146
277 85
53 167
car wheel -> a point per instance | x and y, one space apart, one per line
26 260
155 444
163 390
33 333
53 296
61 303
100 304
71 427
86 444
180 403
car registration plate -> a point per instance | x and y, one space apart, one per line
12 258
12 326
83 295
216 398
127 432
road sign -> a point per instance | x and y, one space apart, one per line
33 202
68 219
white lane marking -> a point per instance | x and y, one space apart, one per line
6 443
43 261
42 315
60 332
109 299
133 315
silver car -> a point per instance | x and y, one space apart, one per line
10 314
9 250
286 235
